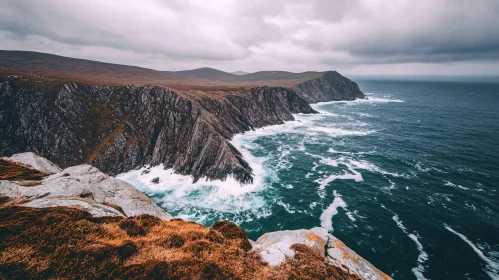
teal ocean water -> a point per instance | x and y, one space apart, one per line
409 178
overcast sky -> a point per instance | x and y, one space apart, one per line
369 37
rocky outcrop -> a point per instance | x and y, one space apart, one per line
120 128
331 86
276 247
36 162
83 187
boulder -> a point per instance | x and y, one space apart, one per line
36 162
87 188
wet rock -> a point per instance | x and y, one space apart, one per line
155 180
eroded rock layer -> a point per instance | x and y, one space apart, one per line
117 128
331 86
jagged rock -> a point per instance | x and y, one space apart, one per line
85 187
155 180
117 128
331 86
38 163
275 248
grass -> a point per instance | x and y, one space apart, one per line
14 171
68 243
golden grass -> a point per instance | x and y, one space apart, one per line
68 243
10 170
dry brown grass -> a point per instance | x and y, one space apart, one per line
14 171
68 243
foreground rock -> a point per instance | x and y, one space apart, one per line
83 187
80 219
276 247
36 162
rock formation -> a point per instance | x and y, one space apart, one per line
276 247
119 128
331 86
83 187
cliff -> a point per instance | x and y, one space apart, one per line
331 86
118 128
132 239
118 117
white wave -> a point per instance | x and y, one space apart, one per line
492 266
327 216
422 256
365 165
301 146
399 223
334 131
423 169
333 151
286 207
282 161
195 200
355 175
392 185
364 115
369 99
372 99
450 184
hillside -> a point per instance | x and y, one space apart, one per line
65 69
201 74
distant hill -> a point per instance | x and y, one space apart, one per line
66 69
60 67
201 73
239 73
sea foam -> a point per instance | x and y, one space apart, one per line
492 266
326 217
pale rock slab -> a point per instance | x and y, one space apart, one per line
37 162
87 188
274 247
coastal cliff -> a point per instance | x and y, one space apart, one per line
331 86
118 128
79 223
118 117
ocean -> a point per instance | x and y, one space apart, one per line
408 178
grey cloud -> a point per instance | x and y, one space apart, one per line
295 35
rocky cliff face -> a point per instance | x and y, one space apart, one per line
120 128
331 86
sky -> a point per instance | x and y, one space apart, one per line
357 37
